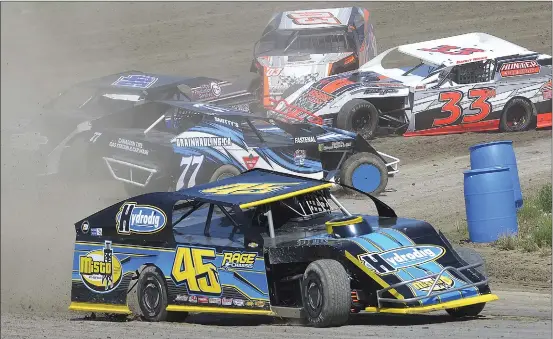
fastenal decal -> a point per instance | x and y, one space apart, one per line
100 270
248 188
203 142
143 219
517 68
129 145
443 283
392 260
236 259
304 140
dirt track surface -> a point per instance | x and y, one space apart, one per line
46 47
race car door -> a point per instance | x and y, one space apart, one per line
460 100
215 265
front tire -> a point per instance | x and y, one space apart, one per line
151 294
358 116
466 311
326 294
365 172
517 116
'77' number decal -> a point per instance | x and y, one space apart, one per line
191 167
451 105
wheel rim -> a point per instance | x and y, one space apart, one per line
151 297
366 178
361 120
313 297
516 117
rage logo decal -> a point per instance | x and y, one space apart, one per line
392 260
141 219
100 270
258 188
424 285
240 260
135 81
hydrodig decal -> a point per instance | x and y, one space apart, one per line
142 219
397 258
100 270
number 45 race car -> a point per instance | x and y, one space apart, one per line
267 243
469 82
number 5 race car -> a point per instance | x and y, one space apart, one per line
267 243
298 47
469 82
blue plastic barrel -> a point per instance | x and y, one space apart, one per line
489 204
498 153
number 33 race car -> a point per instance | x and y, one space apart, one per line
267 243
469 82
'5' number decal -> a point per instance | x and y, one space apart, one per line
313 18
452 106
189 268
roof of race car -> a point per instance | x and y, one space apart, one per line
140 81
462 49
253 188
329 17
207 109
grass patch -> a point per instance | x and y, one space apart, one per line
534 224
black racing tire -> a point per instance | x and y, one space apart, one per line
151 296
358 116
466 311
326 294
360 180
225 171
290 90
518 109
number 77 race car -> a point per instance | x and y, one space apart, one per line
469 82
267 243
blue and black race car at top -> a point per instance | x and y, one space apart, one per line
267 243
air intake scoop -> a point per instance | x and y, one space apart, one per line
348 227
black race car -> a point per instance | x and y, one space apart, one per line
266 243
169 145
70 113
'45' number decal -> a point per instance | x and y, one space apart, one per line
191 167
451 105
189 268
452 50
313 18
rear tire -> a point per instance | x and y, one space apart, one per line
358 116
517 116
326 294
225 171
151 296
359 172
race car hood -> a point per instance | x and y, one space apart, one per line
284 71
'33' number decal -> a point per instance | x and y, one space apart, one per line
452 50
451 105
313 18
189 268
191 167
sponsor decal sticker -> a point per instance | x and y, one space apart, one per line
397 258
193 299
141 219
318 97
135 81
299 157
259 303
203 142
250 161
236 259
334 145
216 301
96 232
85 226
249 303
443 283
304 140
129 145
226 121
258 188
381 91
241 107
181 297
226 301
546 90
517 68
203 300
238 302
100 270
253 245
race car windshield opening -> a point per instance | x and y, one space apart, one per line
92 100
313 41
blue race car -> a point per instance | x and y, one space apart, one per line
166 145
267 243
